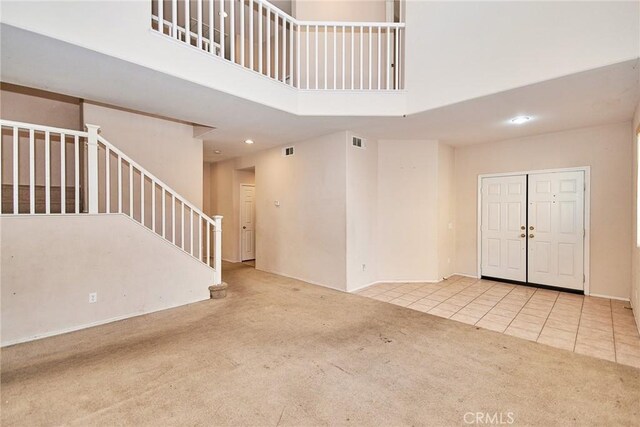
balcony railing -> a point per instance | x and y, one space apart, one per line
315 55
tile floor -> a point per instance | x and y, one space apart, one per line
593 326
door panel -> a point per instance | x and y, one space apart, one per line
556 229
247 222
502 217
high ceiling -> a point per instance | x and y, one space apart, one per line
605 95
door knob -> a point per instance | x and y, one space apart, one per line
531 236
531 227
523 235
244 228
522 227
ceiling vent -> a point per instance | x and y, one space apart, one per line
357 142
287 151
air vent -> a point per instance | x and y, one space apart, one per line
357 142
287 151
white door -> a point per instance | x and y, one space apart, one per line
503 223
247 222
556 229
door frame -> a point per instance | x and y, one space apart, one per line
255 231
587 215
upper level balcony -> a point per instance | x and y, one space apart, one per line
309 55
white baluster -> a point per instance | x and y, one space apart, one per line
119 184
361 57
142 218
379 59
153 205
182 227
353 70
187 22
232 30
199 23
161 16
242 33
268 36
344 57
276 58
388 29
16 178
47 172
63 173
164 220
298 57
212 32
307 55
325 57
260 69
32 172
76 184
315 37
191 230
173 219
222 13
131 190
208 244
107 179
395 63
200 237
174 19
335 57
290 53
370 29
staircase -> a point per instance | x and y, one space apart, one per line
46 171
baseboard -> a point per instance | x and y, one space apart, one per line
609 297
92 324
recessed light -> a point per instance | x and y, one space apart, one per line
248 141
520 120
218 152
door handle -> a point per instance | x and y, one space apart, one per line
523 235
531 227
244 228
531 236
522 227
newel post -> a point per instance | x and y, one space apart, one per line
92 167
217 260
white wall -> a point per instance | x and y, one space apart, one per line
606 149
362 213
462 50
164 147
635 251
132 270
407 210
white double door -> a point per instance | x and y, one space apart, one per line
532 228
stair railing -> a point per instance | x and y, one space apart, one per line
310 55
48 170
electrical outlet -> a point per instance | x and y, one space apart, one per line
93 297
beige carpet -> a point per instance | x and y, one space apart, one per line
281 352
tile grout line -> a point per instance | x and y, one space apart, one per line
579 322
498 302
548 314
521 308
461 290
613 333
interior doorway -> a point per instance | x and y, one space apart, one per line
247 222
533 228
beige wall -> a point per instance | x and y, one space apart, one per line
44 108
336 10
305 237
132 270
606 149
635 252
407 210
165 148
